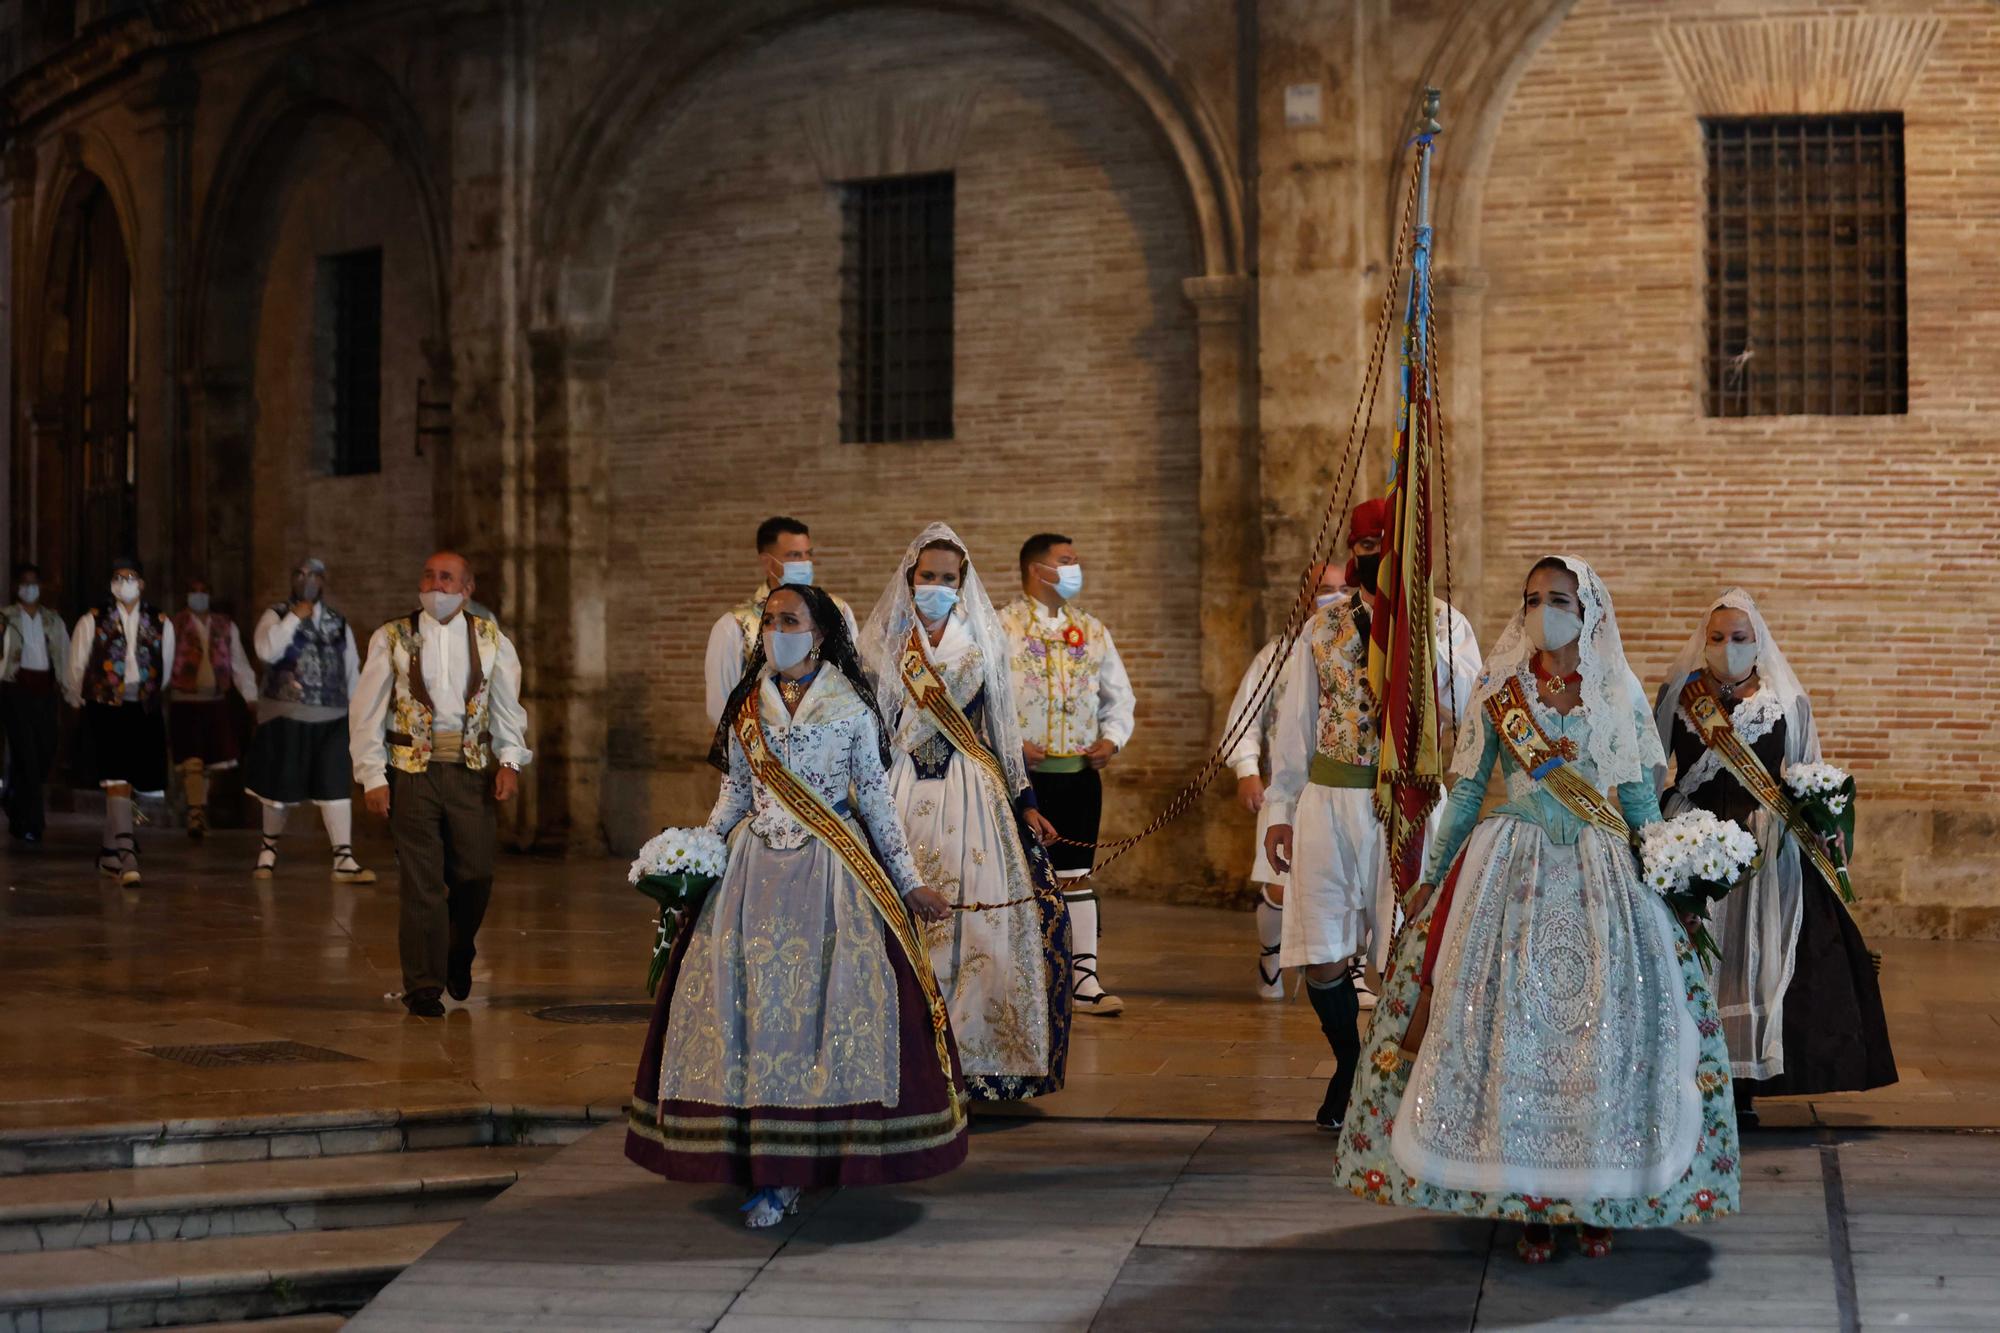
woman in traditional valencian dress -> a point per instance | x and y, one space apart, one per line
799 1039
1801 1008
1572 1068
938 656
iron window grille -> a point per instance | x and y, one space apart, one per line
897 251
354 364
1806 288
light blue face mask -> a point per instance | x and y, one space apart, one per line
1324 600
799 573
934 600
1069 581
786 650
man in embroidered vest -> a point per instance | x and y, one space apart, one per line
34 668
208 660
784 555
299 753
118 657
438 737
1075 707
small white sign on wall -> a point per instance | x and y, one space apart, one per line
1302 106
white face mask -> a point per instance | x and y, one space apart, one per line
798 573
29 593
125 590
198 603
934 600
785 650
1069 581
443 605
1324 600
1550 628
1731 661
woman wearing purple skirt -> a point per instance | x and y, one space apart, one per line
799 1039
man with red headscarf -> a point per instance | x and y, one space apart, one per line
1326 749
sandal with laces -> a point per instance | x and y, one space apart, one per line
1272 980
770 1206
347 870
1103 1004
267 859
128 861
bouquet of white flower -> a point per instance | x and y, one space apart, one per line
1691 860
676 869
1825 795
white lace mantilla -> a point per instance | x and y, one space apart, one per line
1753 720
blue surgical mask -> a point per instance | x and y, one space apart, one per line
934 600
786 649
798 573
1324 600
29 593
198 603
1069 581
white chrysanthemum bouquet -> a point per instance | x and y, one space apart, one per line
1825 796
1691 860
676 869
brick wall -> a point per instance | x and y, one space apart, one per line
1869 541
1075 399
340 191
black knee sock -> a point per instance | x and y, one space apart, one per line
1339 1010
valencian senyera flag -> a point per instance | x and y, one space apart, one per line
1402 647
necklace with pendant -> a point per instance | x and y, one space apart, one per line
1551 682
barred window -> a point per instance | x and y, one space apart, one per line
350 379
896 309
1806 300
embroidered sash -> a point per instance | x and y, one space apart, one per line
931 694
805 805
1718 733
1515 722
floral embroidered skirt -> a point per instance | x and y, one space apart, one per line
1574 1069
1004 973
791 1043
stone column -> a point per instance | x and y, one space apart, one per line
1231 536
17 210
1460 295
568 566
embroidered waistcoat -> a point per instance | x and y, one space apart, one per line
187 648
410 735
1057 676
313 670
104 678
1348 728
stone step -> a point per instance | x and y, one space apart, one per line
188 1142
73 1210
189 1281
297 1323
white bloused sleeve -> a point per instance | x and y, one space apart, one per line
1297 733
722 666
273 636
1117 706
1246 754
242 673
368 714
737 794
79 655
876 810
503 706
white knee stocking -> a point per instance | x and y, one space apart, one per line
339 819
1083 940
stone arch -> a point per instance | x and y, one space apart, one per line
577 234
88 188
299 94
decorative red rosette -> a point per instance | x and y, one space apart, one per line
1073 636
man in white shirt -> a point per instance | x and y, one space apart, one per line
299 753
1249 757
1075 707
202 732
118 656
784 555
438 737
34 669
